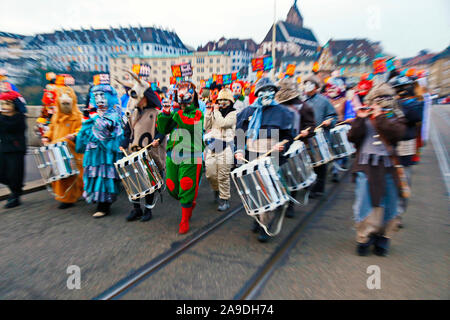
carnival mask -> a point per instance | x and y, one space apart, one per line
213 95
309 86
65 102
266 96
185 93
224 103
237 90
136 93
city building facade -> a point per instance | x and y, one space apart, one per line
204 64
293 42
240 51
439 74
90 50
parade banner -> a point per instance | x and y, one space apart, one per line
290 69
219 79
379 66
227 79
262 64
101 79
182 70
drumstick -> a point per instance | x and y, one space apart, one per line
298 137
320 125
282 143
345 121
138 186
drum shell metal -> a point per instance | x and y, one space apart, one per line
259 186
297 171
55 162
139 175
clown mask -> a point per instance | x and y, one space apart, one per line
237 90
266 96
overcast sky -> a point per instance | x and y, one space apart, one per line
403 26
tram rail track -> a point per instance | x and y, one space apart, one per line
256 283
129 282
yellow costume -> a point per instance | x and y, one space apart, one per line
61 125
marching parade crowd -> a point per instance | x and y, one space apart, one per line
275 141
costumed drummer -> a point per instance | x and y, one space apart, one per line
412 106
302 115
265 123
140 132
48 106
220 123
335 91
325 115
12 145
99 139
64 126
184 162
375 132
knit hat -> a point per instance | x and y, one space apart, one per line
288 90
382 89
225 94
314 79
264 83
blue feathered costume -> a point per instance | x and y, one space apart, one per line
99 139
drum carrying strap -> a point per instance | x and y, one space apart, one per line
49 188
279 224
338 167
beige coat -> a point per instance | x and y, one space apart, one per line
218 165
221 128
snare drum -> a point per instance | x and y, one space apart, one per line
339 143
318 149
259 186
55 162
139 174
297 171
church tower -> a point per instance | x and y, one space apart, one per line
294 16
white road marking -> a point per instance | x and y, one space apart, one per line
441 154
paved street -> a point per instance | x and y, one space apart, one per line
39 242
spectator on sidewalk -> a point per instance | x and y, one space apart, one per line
12 145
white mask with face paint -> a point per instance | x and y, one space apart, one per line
100 102
309 86
266 96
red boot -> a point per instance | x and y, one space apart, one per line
186 213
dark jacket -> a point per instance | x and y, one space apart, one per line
323 109
307 119
413 110
392 129
12 133
273 117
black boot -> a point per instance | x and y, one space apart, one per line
381 246
63 205
335 177
255 227
263 236
223 205
362 249
135 214
12 202
290 213
147 215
